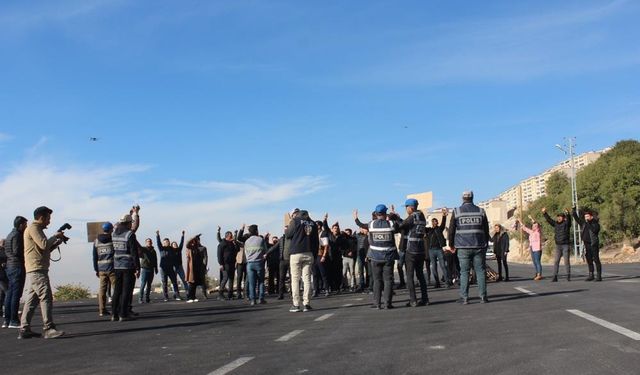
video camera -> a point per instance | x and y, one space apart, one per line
65 226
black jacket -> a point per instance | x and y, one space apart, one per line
166 254
14 248
435 236
500 243
562 230
589 230
227 251
303 234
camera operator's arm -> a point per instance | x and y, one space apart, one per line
41 240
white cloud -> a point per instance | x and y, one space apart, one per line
80 194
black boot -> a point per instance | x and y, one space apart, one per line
590 278
599 277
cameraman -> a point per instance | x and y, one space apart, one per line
37 250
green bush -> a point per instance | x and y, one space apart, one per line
71 292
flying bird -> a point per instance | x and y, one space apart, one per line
93 139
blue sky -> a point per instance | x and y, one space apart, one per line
223 112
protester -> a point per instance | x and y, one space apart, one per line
197 261
535 245
284 265
562 237
255 250
590 229
103 265
468 236
167 268
37 251
148 268
241 267
349 255
15 269
177 262
362 270
383 253
273 265
500 241
436 244
227 252
321 261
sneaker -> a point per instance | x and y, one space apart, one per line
26 333
389 307
484 300
14 325
263 302
177 298
295 309
253 302
196 300
412 304
109 300
377 307
189 301
103 313
166 300
52 333
115 318
307 308
5 325
140 301
463 301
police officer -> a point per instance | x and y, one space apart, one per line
103 265
414 230
382 252
126 265
468 236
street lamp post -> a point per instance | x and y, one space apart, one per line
569 150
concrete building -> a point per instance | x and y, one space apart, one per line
533 187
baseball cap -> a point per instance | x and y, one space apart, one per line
411 202
126 218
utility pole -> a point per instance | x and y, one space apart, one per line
569 150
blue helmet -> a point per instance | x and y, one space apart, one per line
381 209
411 203
107 227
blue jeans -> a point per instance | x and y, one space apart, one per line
16 276
536 256
146 278
180 272
475 257
255 278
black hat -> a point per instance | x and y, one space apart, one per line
42 211
18 221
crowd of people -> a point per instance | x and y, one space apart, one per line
317 259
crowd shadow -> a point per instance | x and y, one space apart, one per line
144 329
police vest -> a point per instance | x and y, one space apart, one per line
415 237
122 257
470 233
105 256
382 244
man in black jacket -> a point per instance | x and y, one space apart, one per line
227 251
436 244
302 233
590 229
500 241
14 250
562 228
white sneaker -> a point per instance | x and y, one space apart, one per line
5 325
190 301
14 325
195 300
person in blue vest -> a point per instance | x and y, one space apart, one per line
126 264
469 237
414 230
103 265
383 254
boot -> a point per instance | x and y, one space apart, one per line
599 277
590 278
555 279
568 277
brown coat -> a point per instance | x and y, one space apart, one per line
196 264
37 247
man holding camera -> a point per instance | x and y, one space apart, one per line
37 251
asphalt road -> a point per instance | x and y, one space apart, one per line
540 328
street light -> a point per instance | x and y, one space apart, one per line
570 151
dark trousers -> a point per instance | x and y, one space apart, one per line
592 254
436 255
241 273
502 262
562 251
369 275
191 293
123 292
228 275
166 274
401 268
453 265
282 276
322 281
272 280
382 275
415 265
16 277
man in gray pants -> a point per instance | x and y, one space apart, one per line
562 228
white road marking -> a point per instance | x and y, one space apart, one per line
437 347
231 366
614 327
347 305
629 281
525 291
324 317
290 335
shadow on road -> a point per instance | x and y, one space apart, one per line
118 331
